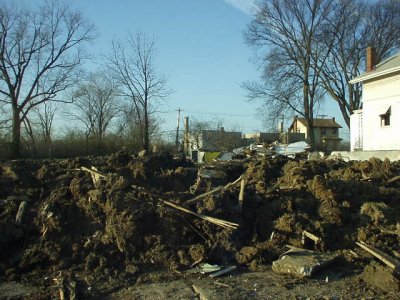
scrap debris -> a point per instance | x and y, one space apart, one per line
215 221
302 262
383 257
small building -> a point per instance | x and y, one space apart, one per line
206 145
263 137
377 125
326 132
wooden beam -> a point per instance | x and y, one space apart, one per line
383 257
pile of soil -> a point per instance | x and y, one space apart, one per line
117 231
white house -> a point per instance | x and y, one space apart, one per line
377 125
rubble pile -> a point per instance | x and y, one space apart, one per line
66 226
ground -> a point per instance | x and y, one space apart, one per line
67 231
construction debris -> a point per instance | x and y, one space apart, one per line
20 213
113 225
386 259
301 262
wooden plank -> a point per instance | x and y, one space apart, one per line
311 236
204 195
383 257
193 200
20 213
393 179
216 221
241 193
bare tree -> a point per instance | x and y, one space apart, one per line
95 105
132 65
129 127
4 118
290 33
45 115
40 51
356 25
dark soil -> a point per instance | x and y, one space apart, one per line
96 238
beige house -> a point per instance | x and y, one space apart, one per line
377 125
326 132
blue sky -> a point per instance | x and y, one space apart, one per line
200 49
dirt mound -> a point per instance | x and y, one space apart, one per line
114 230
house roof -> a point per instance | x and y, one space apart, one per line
388 66
327 123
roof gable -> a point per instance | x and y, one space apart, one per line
327 123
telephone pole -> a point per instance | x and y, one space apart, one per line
177 130
186 138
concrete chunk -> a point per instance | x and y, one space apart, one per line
302 263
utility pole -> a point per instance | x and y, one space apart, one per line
186 138
177 130
282 136
281 124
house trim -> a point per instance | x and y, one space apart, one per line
374 75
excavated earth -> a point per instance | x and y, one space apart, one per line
115 237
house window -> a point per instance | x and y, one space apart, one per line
385 118
323 130
334 131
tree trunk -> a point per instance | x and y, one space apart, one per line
146 138
16 133
311 134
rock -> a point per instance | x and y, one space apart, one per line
302 263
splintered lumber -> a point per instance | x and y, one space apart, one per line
93 171
393 179
295 248
204 195
20 213
383 257
241 193
311 236
96 175
215 221
219 188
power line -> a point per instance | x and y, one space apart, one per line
219 114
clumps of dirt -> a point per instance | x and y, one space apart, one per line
381 277
336 201
115 230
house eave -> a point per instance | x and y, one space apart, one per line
373 75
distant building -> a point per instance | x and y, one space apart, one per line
377 125
270 137
326 132
263 137
206 145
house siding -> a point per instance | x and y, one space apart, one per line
378 96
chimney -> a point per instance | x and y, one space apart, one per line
370 58
333 119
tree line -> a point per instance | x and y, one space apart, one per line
42 51
309 50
